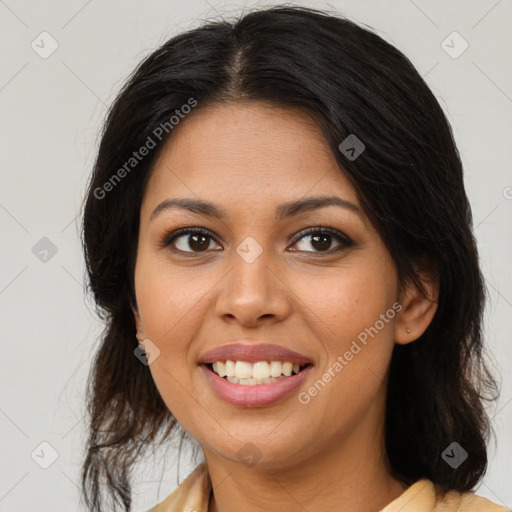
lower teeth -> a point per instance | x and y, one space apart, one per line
253 382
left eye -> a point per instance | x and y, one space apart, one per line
321 239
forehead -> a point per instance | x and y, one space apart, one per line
253 153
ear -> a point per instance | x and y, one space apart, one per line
138 323
418 309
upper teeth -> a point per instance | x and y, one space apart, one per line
259 370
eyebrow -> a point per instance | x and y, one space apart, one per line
283 211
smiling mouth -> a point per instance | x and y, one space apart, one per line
253 374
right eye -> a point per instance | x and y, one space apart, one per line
189 240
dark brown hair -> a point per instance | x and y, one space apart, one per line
409 180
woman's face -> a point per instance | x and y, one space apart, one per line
256 279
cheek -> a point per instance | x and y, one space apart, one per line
353 318
166 296
351 315
166 303
172 303
347 302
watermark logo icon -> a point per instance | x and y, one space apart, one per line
44 250
249 249
454 45
454 455
44 45
249 454
352 147
147 352
44 455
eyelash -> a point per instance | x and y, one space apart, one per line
344 240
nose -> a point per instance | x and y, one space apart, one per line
253 293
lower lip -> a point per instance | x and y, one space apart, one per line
258 395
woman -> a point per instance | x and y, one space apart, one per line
277 214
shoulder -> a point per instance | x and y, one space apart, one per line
470 502
192 494
421 497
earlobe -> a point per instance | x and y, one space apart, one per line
418 310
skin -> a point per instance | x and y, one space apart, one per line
248 159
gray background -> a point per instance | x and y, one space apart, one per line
51 111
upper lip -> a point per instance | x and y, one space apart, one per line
252 353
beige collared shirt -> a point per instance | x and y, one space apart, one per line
193 495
